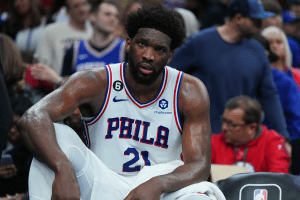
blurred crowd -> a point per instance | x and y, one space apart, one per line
43 42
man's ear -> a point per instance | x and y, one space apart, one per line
171 56
253 129
238 18
127 44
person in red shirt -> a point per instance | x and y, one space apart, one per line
244 140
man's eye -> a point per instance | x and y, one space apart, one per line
142 44
160 49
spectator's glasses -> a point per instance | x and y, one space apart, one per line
231 124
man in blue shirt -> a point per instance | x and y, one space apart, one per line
103 48
231 64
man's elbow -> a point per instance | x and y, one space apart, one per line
21 124
27 120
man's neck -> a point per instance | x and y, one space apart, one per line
78 26
100 40
279 64
229 33
142 93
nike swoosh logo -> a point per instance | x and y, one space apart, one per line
118 100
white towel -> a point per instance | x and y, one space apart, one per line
204 187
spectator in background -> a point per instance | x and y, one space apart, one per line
103 47
23 14
11 71
24 24
198 7
131 6
11 60
28 38
245 141
295 7
215 15
174 4
274 7
6 117
58 12
289 94
231 64
14 176
60 37
280 46
276 20
189 20
47 5
291 29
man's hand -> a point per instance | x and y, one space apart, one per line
65 186
150 190
8 171
44 73
288 148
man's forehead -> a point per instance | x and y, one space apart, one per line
236 113
153 34
106 5
73 2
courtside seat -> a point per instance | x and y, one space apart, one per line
260 186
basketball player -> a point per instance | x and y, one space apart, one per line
139 118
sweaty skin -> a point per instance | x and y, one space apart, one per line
86 90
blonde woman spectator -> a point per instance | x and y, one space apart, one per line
280 46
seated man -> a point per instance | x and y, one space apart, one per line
244 140
139 118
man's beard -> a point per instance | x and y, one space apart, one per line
143 79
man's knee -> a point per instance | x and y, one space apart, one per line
67 137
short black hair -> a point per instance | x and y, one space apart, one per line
252 107
159 18
95 5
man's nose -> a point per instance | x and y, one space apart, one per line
149 53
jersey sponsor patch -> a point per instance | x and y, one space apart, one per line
162 112
163 104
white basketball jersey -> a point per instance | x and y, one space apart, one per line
126 134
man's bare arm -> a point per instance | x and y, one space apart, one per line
196 136
196 143
36 125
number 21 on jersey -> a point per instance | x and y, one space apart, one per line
127 166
